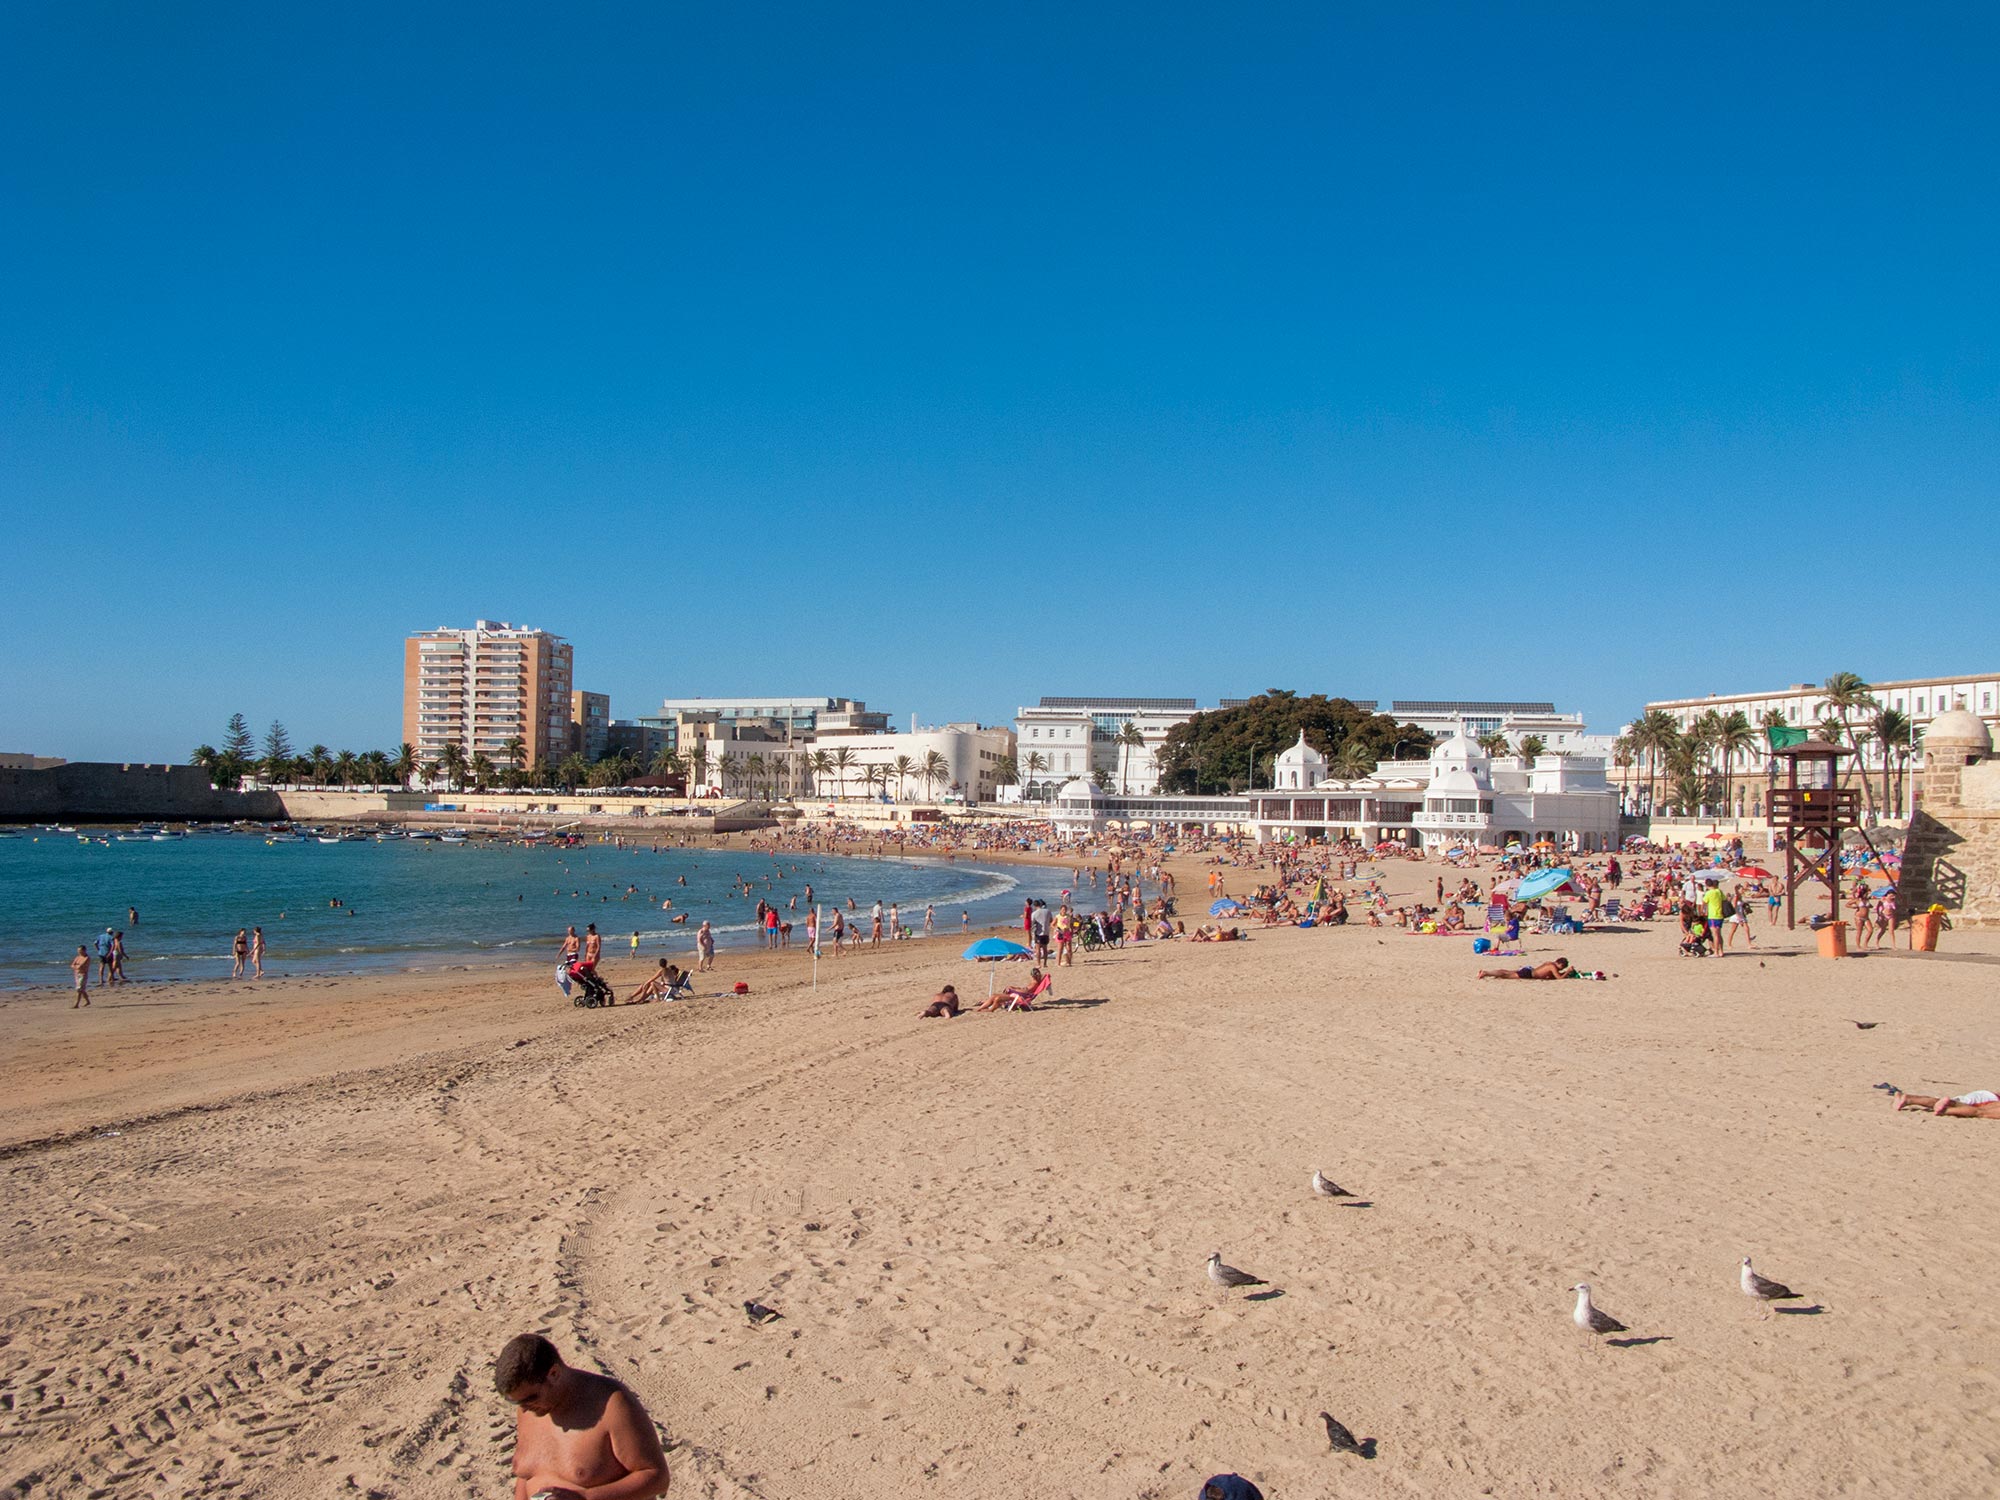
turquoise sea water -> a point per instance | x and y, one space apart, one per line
411 904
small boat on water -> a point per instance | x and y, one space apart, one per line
452 838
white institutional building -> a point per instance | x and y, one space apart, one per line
1073 737
1458 795
968 768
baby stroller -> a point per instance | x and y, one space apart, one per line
1694 941
591 990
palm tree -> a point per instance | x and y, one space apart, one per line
1101 779
1655 734
1036 763
376 764
572 771
1894 732
1130 738
1847 695
405 764
1353 760
514 748
1008 770
821 765
452 759
1492 742
934 769
345 767
1532 745
1734 736
482 768
696 758
753 769
665 762
205 756
903 767
322 763
430 770
843 762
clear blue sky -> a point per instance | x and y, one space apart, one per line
949 356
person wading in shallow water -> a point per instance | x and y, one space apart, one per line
577 1436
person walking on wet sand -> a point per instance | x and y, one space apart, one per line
239 950
80 967
257 952
704 947
576 1434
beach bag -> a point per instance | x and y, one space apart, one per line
742 988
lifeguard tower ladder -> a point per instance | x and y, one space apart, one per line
1813 810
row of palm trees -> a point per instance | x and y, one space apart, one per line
1692 760
1496 743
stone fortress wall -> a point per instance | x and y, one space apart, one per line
1951 855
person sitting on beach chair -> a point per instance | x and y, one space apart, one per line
1016 998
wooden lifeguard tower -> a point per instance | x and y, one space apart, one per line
1813 810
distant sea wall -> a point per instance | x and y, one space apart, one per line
90 792
93 792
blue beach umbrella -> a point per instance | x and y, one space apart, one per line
1541 883
993 947
1224 909
988 949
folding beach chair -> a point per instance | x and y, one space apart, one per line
1040 991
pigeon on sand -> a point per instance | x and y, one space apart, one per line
1229 1276
1339 1436
1326 1187
1589 1318
1762 1287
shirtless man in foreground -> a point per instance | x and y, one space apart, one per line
578 1436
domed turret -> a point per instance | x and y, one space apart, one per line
1959 730
1299 767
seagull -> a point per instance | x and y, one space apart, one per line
1591 1319
1339 1436
1326 1187
1229 1276
759 1314
1762 1287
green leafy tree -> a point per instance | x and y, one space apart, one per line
236 739
277 744
1229 745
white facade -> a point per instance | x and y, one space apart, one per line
1074 737
1560 733
1804 705
971 757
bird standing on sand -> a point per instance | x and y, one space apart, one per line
1762 1287
1339 1436
1591 1319
1326 1187
1229 1276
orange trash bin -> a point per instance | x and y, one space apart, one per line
1924 932
1833 940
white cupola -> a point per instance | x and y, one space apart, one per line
1299 768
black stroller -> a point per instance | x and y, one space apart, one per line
590 990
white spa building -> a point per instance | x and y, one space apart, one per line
1457 795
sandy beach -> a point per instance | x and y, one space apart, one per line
266 1240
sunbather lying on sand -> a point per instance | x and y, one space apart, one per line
1554 969
944 1003
1980 1104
